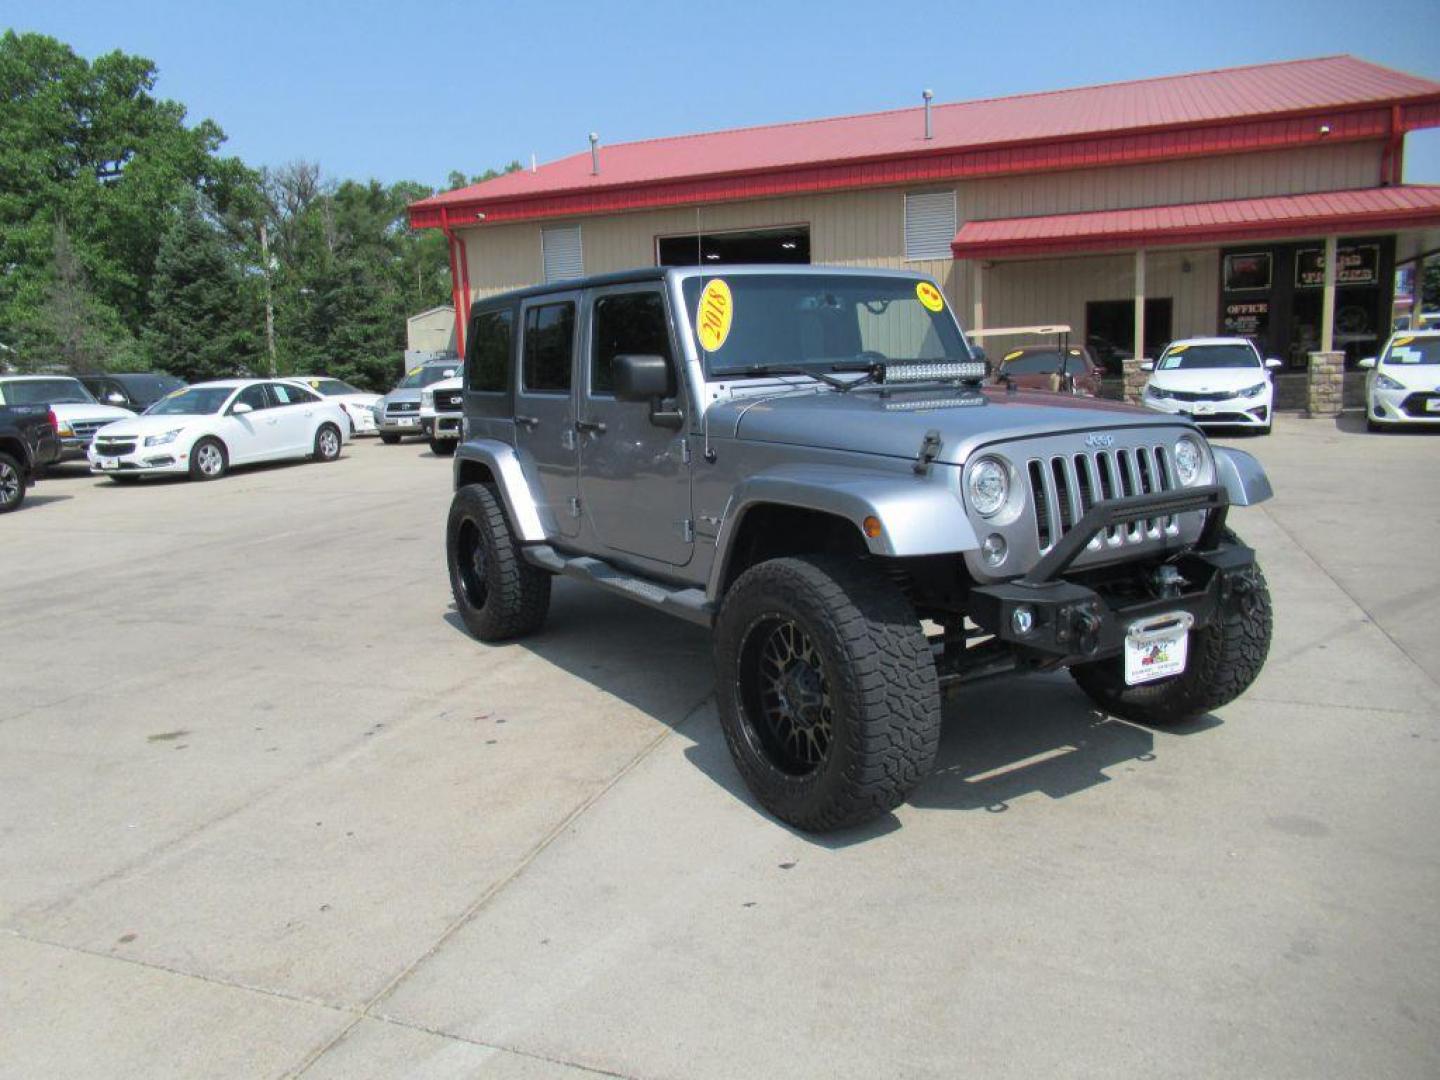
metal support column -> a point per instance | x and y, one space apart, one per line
1327 309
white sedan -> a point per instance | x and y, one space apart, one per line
359 406
1404 386
205 429
1214 381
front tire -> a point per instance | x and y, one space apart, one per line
389 439
498 593
442 447
1224 659
327 443
12 484
208 459
827 690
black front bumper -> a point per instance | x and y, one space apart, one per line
1056 621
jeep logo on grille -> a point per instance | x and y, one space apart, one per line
1099 441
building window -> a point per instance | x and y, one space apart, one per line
549 347
790 244
1110 330
930 225
560 250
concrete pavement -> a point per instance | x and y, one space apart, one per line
266 810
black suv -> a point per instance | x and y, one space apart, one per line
135 391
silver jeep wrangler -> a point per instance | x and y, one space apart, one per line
807 461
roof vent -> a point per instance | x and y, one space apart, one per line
594 154
928 95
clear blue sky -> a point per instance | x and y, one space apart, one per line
410 91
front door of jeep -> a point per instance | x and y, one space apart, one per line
545 435
634 476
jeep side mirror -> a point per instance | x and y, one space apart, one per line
1147 365
1367 363
240 408
1273 364
640 378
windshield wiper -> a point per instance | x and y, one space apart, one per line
867 373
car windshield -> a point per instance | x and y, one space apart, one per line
424 376
330 387
1413 350
818 321
1041 362
192 401
1193 357
46 392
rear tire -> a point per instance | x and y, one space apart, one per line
1224 659
208 459
498 593
388 439
12 484
327 443
827 690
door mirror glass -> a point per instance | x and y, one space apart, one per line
640 378
1147 365
1274 364
1367 363
240 408
115 398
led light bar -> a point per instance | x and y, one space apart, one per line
967 370
936 403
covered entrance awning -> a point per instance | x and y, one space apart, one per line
1330 213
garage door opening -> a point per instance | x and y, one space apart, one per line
788 245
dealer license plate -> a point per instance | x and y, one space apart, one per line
109 463
1155 648
408 421
1433 405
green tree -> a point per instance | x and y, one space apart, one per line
205 319
69 330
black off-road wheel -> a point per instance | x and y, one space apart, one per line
1224 659
388 438
12 484
442 447
827 690
498 594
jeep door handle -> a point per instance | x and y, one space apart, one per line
527 421
597 426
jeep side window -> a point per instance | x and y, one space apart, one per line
490 339
549 347
626 324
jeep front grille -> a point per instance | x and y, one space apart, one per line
1063 487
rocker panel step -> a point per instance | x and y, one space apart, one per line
688 603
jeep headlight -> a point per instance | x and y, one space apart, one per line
1385 382
1253 391
989 486
161 440
1189 461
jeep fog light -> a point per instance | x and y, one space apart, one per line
989 486
1189 461
993 549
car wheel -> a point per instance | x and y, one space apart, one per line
12 484
497 593
442 447
827 690
208 459
1224 659
327 443
389 439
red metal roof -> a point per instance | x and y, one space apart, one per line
1207 112
1331 212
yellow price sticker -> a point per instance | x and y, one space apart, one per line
1176 350
414 371
714 314
1012 355
930 296
1403 341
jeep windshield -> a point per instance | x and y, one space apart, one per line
796 323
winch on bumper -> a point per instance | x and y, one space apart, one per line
1056 621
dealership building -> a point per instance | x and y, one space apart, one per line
1264 201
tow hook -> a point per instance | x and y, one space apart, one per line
1080 624
1167 582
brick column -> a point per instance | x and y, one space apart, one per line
1134 379
1325 388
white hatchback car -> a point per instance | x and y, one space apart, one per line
358 405
1403 387
205 429
1220 382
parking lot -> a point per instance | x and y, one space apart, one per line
266 809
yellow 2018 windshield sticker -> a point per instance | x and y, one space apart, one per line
713 315
929 295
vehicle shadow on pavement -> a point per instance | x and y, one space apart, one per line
32 500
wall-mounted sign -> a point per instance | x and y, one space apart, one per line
1248 271
1247 320
1354 265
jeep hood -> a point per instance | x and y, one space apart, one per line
894 425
